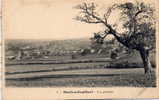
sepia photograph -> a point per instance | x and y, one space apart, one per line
64 47
93 45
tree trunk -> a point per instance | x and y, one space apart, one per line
146 61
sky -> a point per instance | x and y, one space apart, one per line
47 19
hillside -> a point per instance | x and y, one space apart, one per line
50 45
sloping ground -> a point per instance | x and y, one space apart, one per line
67 61
19 69
88 72
83 78
135 58
84 74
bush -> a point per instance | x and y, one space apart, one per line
113 55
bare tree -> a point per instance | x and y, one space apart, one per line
138 21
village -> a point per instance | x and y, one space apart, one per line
29 52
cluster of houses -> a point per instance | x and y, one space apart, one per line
34 53
28 52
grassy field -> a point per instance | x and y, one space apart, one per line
83 71
76 75
84 78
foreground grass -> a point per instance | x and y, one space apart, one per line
95 78
127 71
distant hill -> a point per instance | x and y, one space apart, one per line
50 45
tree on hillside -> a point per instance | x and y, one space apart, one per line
137 20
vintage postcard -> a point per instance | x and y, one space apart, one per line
80 49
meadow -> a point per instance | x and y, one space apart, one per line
92 70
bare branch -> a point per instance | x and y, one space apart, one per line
88 14
87 20
137 13
109 11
